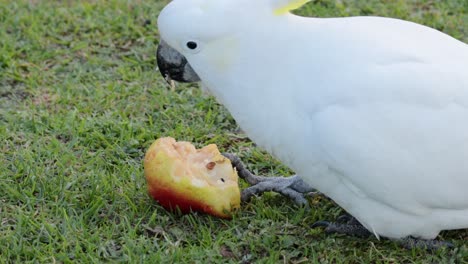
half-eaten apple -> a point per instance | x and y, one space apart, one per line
181 176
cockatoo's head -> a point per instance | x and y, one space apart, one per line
197 33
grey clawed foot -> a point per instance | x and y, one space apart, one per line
276 184
417 243
292 187
346 224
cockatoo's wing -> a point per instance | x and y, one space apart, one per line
396 133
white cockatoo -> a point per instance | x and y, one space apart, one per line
370 111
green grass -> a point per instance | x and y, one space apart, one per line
80 102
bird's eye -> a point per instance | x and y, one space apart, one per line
192 45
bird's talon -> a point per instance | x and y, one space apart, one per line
292 187
412 243
344 218
347 219
246 195
320 224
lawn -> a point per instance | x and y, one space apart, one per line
81 101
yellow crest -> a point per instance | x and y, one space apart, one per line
291 5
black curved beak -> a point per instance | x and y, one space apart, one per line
173 65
